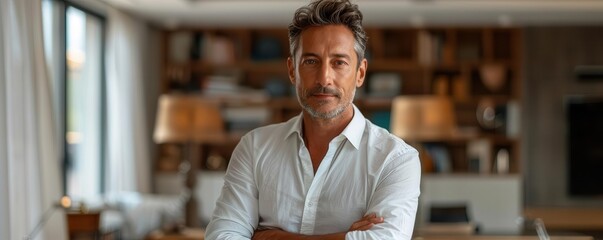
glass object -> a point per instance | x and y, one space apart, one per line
502 161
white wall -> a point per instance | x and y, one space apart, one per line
494 202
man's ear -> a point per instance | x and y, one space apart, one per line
291 69
361 74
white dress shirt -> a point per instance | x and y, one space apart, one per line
270 182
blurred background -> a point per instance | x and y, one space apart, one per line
145 100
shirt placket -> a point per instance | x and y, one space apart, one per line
316 184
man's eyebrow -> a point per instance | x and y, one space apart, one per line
341 55
309 54
335 55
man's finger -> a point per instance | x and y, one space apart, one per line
362 227
366 222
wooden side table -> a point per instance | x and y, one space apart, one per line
83 225
185 234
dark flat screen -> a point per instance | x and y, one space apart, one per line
585 146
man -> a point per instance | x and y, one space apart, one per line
328 173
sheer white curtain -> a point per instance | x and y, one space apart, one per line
29 156
128 165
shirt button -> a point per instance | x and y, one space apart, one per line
309 204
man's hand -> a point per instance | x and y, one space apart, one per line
267 233
365 223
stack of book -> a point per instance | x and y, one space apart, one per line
241 119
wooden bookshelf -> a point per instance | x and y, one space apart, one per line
449 61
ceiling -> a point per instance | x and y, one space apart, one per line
278 13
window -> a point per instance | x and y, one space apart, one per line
84 103
83 95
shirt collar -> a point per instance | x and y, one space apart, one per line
296 126
353 131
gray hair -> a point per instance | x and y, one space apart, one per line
328 12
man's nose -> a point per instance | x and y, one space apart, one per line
325 76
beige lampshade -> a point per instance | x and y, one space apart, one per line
423 118
184 118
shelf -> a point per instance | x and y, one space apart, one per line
285 103
279 66
446 61
471 175
393 65
567 218
375 103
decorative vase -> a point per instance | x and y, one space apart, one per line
493 76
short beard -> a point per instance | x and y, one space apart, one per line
320 115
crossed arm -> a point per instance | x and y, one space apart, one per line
365 223
394 202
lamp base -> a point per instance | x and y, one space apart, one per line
190 173
191 219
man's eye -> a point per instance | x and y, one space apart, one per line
341 63
310 61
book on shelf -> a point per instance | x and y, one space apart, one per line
198 41
180 46
219 49
227 87
431 48
241 119
217 83
267 48
441 85
240 94
216 49
424 47
179 78
513 120
469 51
440 157
259 114
384 84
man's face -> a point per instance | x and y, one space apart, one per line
325 71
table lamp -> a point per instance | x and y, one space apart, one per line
423 118
189 120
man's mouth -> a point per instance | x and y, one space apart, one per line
322 92
322 95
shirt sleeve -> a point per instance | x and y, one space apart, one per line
236 212
395 199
